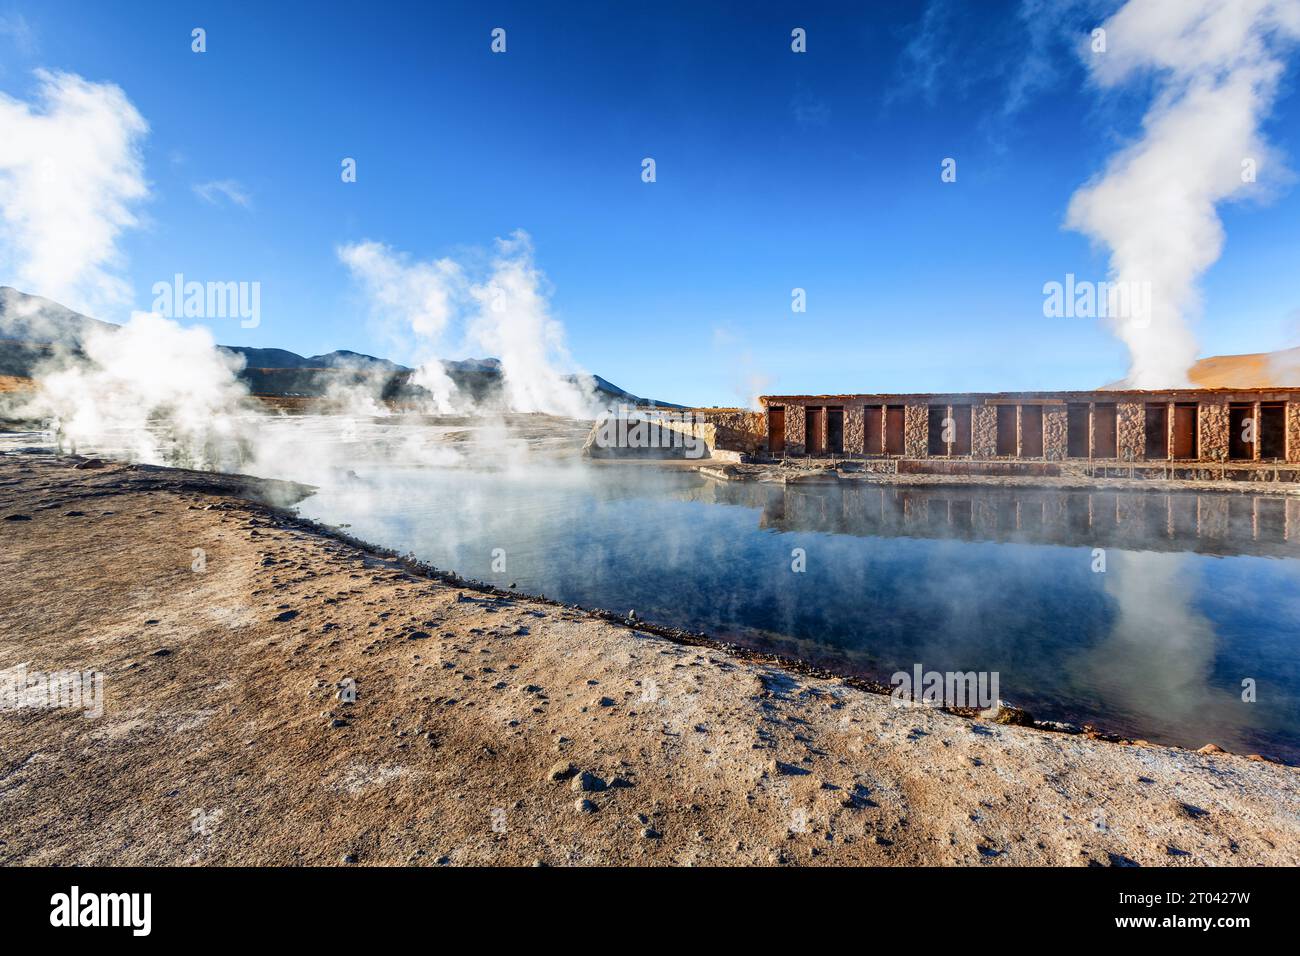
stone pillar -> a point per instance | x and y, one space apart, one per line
1254 448
1212 430
1293 431
984 431
795 423
1130 422
916 430
1056 432
855 426
1169 431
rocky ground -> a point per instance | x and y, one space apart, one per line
497 730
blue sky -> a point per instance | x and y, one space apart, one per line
775 170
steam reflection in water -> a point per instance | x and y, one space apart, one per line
1200 591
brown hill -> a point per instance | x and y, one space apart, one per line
1254 370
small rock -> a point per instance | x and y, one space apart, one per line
584 806
348 858
587 782
650 833
561 771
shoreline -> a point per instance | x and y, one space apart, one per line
879 767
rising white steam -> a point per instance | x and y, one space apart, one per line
70 176
504 310
162 393
514 322
412 303
1216 67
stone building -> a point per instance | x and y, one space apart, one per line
1240 428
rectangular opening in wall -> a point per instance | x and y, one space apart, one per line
1185 414
835 431
1241 428
937 446
776 430
961 429
1272 431
872 428
1076 416
1031 431
1157 432
1007 430
1105 436
814 434
895 416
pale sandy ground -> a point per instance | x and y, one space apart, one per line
219 742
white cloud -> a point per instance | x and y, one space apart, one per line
216 190
16 28
71 175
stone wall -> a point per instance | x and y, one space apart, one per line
1293 431
1212 431
1056 432
796 422
736 429
916 431
1130 422
984 431
855 426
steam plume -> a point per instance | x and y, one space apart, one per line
413 303
70 175
1216 68
506 312
147 372
514 321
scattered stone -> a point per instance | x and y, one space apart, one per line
587 782
561 771
1004 714
778 769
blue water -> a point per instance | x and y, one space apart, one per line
1199 592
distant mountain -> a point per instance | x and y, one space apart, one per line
33 328
36 320
1279 369
340 358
